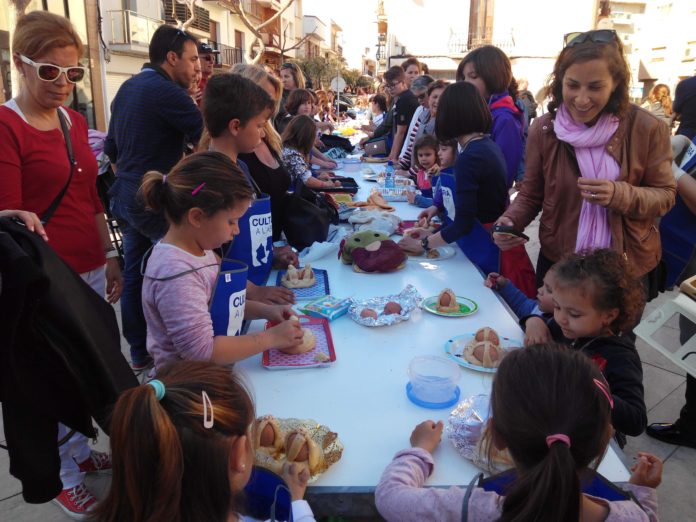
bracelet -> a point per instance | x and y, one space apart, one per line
111 254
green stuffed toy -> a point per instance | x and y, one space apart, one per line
359 239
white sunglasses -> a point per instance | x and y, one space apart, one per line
50 73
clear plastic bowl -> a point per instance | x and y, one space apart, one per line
433 379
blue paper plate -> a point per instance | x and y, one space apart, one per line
433 405
319 289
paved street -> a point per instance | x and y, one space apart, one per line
664 396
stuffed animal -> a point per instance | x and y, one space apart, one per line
359 239
379 256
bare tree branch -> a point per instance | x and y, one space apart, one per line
238 9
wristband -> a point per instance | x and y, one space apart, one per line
111 254
425 243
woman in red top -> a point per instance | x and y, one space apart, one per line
35 169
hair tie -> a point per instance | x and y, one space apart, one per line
164 179
558 437
158 386
198 189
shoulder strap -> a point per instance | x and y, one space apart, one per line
48 213
467 496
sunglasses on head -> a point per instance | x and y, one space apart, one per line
178 33
50 73
598 36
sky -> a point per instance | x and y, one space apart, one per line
357 18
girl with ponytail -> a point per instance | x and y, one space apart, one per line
193 453
551 409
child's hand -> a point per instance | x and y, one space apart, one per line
495 281
427 435
429 213
271 295
410 196
647 471
536 331
324 176
418 233
285 335
296 477
278 313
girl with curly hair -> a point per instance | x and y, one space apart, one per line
595 301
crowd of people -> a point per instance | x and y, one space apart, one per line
204 162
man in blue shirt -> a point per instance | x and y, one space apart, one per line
152 117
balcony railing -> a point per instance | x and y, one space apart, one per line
462 42
129 28
228 55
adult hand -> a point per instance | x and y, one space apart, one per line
418 233
114 280
427 435
411 245
506 241
271 295
596 191
30 220
536 332
285 256
429 213
296 477
647 471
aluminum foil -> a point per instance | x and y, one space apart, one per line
466 422
408 298
465 429
327 440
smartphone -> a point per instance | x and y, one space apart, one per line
509 230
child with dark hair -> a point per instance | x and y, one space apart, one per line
236 110
298 141
476 190
194 452
595 302
551 409
427 167
446 158
489 69
203 197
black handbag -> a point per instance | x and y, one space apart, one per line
332 141
306 216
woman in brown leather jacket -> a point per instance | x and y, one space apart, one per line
597 167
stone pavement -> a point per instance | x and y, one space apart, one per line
664 396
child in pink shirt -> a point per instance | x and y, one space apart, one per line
551 408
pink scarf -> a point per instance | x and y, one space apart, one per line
594 162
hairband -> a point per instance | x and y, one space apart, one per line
198 189
604 388
164 179
558 437
158 386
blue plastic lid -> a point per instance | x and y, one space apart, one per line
432 405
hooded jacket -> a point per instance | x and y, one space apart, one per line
508 132
60 358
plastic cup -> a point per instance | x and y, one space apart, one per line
433 379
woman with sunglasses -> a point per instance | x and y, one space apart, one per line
36 169
597 167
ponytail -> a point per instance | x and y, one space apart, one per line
547 492
150 462
152 189
549 409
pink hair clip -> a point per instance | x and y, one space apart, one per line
198 189
604 388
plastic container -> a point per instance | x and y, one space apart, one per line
433 382
389 175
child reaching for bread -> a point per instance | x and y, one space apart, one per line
552 441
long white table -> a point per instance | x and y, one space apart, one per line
362 396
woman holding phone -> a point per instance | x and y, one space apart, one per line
597 167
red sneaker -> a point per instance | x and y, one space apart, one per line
77 502
96 462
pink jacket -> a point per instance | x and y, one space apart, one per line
400 496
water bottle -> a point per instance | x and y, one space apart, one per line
389 175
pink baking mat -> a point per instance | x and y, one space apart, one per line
276 360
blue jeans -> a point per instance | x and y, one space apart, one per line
140 229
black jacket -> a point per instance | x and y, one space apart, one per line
617 358
60 358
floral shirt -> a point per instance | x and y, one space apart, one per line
296 164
